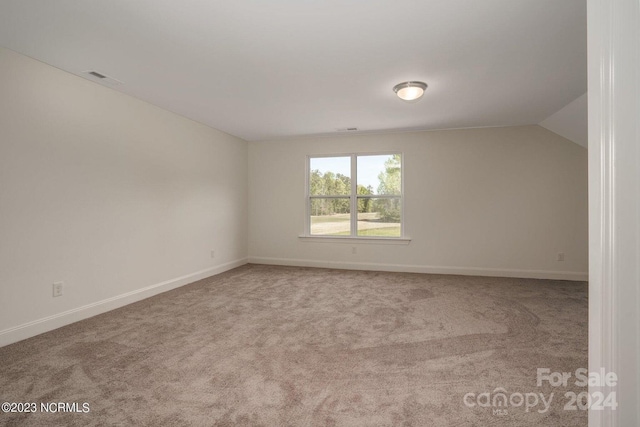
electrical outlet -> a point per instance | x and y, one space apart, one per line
57 289
213 254
560 256
354 250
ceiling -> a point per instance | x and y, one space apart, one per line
264 70
571 121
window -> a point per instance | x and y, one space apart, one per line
357 195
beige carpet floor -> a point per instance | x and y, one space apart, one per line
284 346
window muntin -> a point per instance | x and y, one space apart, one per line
368 206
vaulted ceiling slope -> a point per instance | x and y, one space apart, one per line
272 69
571 121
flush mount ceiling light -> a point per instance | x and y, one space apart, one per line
410 91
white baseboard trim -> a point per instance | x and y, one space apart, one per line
404 268
45 324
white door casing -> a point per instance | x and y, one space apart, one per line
614 204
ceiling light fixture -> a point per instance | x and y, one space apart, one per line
410 91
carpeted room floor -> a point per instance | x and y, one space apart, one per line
287 346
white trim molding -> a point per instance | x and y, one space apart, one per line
357 240
428 269
45 324
614 205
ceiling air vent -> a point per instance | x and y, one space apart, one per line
101 77
347 129
97 74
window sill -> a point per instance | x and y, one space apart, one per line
351 240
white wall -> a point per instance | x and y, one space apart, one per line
115 197
493 201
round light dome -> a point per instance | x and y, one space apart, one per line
410 91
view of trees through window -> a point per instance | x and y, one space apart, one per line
376 194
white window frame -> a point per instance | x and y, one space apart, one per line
353 198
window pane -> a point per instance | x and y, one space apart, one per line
379 217
331 217
379 174
330 176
